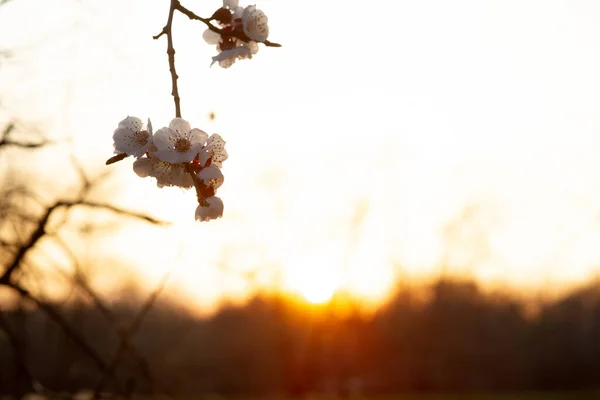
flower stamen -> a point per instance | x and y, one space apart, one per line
182 145
141 137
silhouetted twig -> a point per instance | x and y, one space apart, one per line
135 355
40 230
128 335
18 353
5 141
64 325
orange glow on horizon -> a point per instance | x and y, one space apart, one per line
465 121
313 279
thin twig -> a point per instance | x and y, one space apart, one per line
108 315
7 244
116 210
18 352
24 145
114 362
37 234
5 141
40 230
167 30
64 325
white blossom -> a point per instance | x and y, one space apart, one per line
211 176
166 174
255 24
211 208
237 13
211 37
227 58
179 142
130 137
214 149
231 4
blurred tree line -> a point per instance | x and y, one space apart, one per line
451 336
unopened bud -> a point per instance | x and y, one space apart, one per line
222 16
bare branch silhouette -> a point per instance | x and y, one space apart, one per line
64 325
128 335
82 283
18 352
6 141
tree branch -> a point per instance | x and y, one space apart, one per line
40 230
64 325
167 30
116 210
171 54
127 335
108 315
18 352
37 234
5 141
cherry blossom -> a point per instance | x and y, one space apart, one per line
130 137
231 4
214 150
166 174
227 58
179 142
255 24
211 176
209 208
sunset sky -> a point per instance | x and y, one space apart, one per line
382 141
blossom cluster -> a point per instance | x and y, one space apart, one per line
176 155
248 23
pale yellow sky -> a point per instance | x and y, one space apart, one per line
407 112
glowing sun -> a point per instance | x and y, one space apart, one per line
315 281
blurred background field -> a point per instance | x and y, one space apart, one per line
412 203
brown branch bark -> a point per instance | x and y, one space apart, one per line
167 30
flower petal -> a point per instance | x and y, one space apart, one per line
238 12
213 210
168 155
226 58
133 123
255 24
143 167
211 176
219 157
162 138
211 37
203 156
166 174
180 125
131 142
198 136
231 4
